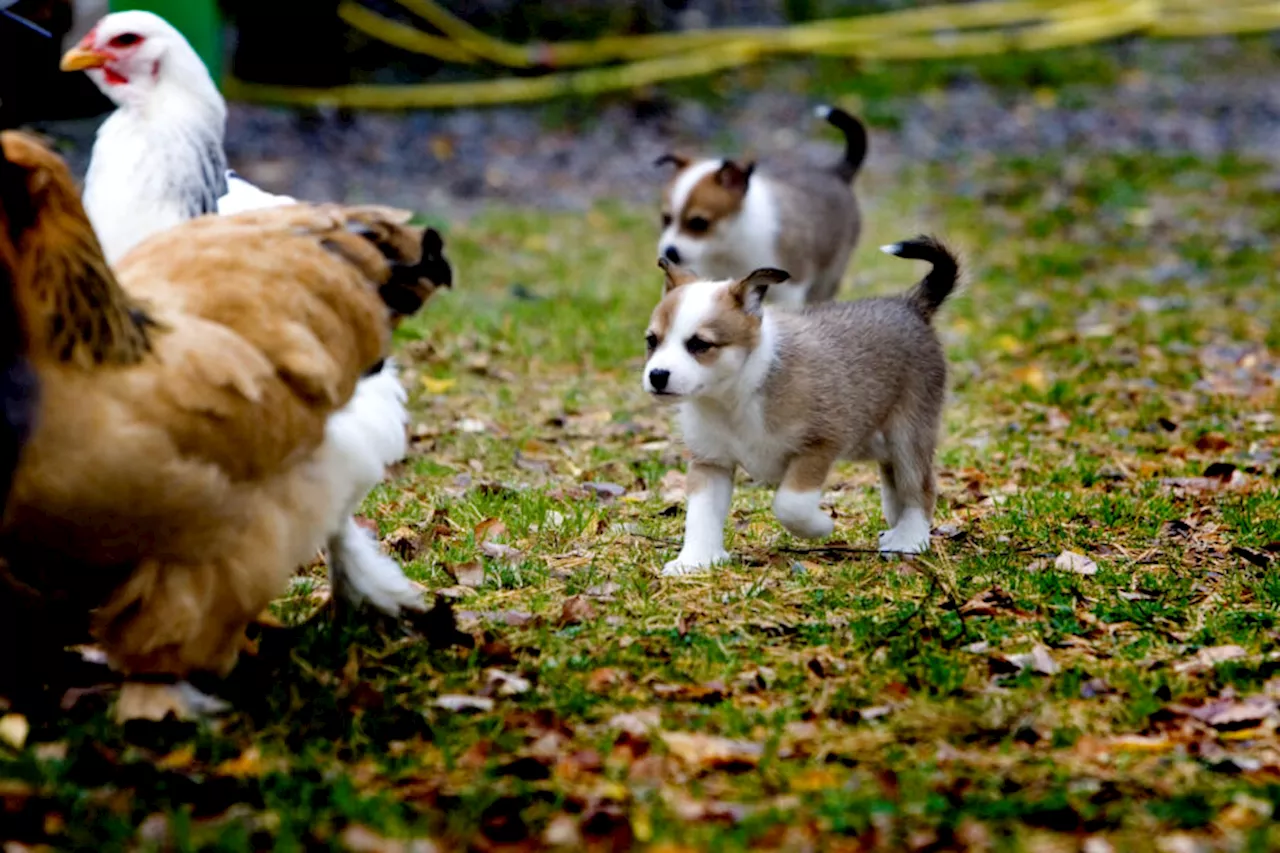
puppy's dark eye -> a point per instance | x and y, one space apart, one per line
697 224
666 220
125 40
651 341
697 345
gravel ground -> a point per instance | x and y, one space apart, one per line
1206 98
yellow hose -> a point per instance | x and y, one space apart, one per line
933 32
509 90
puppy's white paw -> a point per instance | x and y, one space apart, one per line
692 564
909 536
892 543
816 526
801 514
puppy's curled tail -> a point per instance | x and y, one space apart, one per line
937 285
855 140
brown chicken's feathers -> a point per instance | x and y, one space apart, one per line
182 431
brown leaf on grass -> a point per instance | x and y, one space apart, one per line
690 810
672 488
1037 660
991 602
606 492
1212 443
711 693
505 683
1070 561
510 618
604 679
700 751
576 610
245 766
1207 658
562 831
14 729
606 591
361 839
467 574
489 530
499 551
464 704
636 723
1231 714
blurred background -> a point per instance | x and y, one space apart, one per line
1129 76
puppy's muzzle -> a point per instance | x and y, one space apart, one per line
672 254
658 379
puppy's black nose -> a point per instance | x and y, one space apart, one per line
658 379
672 254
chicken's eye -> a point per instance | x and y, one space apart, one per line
697 345
651 341
125 40
697 224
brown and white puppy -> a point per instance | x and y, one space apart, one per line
722 219
784 394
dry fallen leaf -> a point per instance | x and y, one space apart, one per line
602 680
489 530
433 385
577 609
671 488
506 683
459 704
14 729
1209 657
247 764
1037 660
711 752
498 551
468 574
637 723
1070 561
562 831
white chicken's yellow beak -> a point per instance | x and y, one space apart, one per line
81 57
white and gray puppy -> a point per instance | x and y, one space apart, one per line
722 219
784 394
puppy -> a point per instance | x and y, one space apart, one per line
784 394
723 220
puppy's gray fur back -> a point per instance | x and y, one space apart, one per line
850 370
823 225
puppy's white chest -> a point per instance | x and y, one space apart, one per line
741 439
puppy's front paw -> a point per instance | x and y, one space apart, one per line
816 526
692 564
899 541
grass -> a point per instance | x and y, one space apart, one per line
1113 342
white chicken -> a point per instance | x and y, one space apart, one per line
159 161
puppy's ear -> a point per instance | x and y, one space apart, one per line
733 177
678 160
676 276
748 293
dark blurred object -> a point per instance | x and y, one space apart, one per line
289 42
31 86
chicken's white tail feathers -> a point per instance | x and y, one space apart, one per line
361 440
370 430
242 196
361 574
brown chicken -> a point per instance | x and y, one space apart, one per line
177 473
